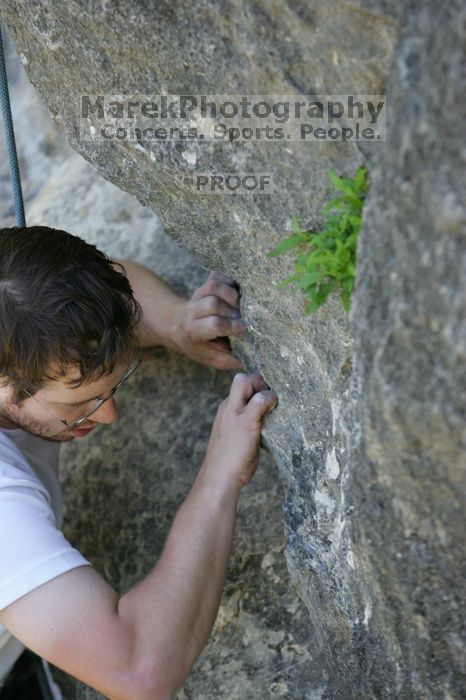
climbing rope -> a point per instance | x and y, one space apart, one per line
10 140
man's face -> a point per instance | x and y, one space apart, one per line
64 402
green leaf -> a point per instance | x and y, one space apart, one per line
288 244
310 308
342 184
360 184
354 199
289 280
355 220
337 203
350 240
324 291
310 278
295 225
343 255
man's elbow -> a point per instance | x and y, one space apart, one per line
139 681
157 682
144 687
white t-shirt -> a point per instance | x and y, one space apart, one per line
32 548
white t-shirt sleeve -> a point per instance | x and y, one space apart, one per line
32 549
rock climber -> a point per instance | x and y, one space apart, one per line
73 324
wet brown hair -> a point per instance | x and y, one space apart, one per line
62 305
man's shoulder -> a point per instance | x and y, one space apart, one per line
14 464
25 456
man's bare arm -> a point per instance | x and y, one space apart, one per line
141 646
162 307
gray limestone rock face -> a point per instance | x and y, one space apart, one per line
369 435
407 452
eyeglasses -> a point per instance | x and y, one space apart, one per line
98 402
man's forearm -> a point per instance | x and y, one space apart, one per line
161 306
173 609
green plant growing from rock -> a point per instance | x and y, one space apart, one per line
327 259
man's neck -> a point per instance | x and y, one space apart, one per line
7 423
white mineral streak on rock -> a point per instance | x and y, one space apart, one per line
332 467
367 613
190 157
337 531
306 444
325 501
335 414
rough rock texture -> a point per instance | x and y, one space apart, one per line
370 434
408 453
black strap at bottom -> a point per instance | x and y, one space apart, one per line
27 680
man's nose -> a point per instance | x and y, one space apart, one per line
107 413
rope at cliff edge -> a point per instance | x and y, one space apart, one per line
10 140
